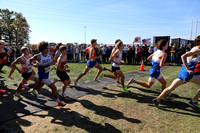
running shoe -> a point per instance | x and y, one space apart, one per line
2 91
130 81
101 76
156 103
62 104
118 83
105 68
64 95
97 80
1 77
168 98
18 95
10 77
34 92
194 103
75 82
25 86
126 89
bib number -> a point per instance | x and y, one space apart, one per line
46 70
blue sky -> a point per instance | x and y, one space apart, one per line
106 20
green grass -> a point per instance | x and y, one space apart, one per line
76 69
127 112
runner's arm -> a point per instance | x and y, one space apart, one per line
150 57
114 56
17 61
162 60
188 54
34 60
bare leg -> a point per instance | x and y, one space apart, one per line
121 75
83 73
54 90
177 82
98 66
163 82
147 85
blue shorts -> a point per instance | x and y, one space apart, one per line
184 75
91 64
154 73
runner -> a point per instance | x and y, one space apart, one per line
158 60
43 61
116 62
91 62
113 51
4 52
186 74
61 69
26 71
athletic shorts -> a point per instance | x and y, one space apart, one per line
153 79
46 81
7 64
114 69
91 64
62 75
26 75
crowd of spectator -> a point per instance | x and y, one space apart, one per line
132 54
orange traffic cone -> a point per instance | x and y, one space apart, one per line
142 66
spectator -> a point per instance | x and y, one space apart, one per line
129 55
180 52
77 50
139 53
133 54
172 55
103 52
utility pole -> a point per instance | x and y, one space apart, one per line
191 31
196 28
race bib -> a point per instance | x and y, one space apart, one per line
46 70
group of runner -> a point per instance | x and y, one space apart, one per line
44 60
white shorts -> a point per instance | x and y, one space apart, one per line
46 81
153 79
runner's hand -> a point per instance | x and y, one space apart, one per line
190 71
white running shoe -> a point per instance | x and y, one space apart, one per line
75 82
130 81
97 80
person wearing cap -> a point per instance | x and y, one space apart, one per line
4 52
91 62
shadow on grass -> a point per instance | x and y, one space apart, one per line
11 112
69 118
106 111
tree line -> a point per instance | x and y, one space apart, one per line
14 28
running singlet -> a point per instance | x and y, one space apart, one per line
3 55
63 63
192 62
43 67
27 67
94 53
117 60
155 68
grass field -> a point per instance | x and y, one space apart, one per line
115 111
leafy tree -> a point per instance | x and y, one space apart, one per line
14 27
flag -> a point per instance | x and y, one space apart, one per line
137 40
